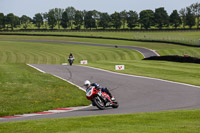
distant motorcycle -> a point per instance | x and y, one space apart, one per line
70 60
100 99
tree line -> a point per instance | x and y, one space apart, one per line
76 19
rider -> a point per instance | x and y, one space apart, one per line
97 86
71 56
71 59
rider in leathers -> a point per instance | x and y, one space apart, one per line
97 86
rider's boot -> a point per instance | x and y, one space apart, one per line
108 92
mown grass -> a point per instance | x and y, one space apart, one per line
25 81
57 53
185 121
106 58
179 72
24 90
188 37
161 48
13 52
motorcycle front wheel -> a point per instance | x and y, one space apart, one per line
99 103
115 105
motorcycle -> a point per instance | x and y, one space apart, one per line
100 99
70 60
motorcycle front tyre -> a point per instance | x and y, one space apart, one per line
99 103
115 105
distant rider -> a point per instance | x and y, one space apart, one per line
71 59
87 84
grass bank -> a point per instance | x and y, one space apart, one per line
185 121
161 48
15 54
188 37
106 58
25 90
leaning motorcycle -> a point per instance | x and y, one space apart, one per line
70 60
100 99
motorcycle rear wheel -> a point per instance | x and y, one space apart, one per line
99 103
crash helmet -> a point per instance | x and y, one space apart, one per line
87 83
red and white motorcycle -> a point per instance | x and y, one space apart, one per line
100 99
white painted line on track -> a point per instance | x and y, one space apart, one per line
142 77
57 77
154 52
54 111
70 82
36 68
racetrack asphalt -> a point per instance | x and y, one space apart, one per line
134 93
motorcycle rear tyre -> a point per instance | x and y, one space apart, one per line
99 104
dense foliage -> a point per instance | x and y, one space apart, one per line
75 19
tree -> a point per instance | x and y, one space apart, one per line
78 22
96 16
183 16
104 21
175 19
123 16
132 19
190 18
51 19
25 21
89 20
146 18
2 20
71 15
45 18
17 21
10 20
161 18
58 15
116 20
195 8
38 20
64 20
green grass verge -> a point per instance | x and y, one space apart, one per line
25 90
14 55
188 37
21 85
185 121
57 53
161 48
178 72
106 58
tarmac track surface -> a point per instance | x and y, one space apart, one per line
134 93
